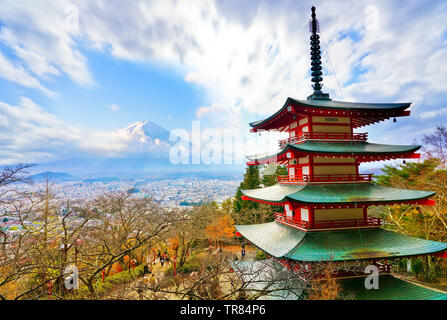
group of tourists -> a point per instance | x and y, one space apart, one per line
162 258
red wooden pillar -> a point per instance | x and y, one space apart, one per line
50 286
309 124
311 216
297 213
103 272
175 260
311 167
350 126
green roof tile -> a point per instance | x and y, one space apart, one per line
280 240
361 244
354 193
354 147
276 193
319 147
274 238
390 288
336 193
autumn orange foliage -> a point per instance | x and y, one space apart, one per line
116 268
221 228
173 245
325 287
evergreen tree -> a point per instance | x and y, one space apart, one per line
251 181
272 179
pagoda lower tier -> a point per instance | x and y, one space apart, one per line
284 242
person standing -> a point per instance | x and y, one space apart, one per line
153 281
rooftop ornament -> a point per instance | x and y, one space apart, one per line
315 56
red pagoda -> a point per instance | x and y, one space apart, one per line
324 196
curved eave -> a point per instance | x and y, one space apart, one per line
351 106
336 194
337 148
361 245
276 194
391 109
277 240
281 241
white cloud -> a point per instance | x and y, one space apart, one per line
18 74
28 133
247 56
42 37
431 114
114 107
202 111
253 60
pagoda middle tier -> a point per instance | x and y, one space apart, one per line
328 206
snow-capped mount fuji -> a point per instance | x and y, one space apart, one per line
146 138
148 132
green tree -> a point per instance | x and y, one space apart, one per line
249 212
428 222
272 179
251 181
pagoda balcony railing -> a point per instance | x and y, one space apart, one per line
328 224
324 178
324 136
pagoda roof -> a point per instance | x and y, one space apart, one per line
338 148
281 241
335 194
386 110
390 288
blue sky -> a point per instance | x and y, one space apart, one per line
73 74
142 90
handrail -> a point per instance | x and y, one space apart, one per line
328 224
296 179
360 136
290 220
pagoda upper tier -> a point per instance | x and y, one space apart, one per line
359 114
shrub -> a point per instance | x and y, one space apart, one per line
187 268
110 282
260 255
416 267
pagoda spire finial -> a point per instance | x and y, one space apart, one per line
315 57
